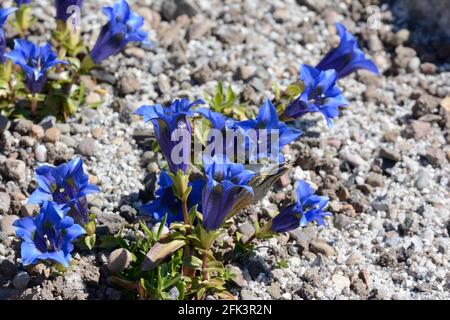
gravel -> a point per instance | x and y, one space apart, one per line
384 164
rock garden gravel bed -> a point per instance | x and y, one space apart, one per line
384 164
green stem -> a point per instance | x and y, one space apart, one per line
187 220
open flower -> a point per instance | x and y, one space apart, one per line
35 61
66 184
347 57
309 207
124 26
266 125
63 11
4 14
167 203
321 94
225 181
49 236
165 121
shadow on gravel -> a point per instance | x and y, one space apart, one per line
429 26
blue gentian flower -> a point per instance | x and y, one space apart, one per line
167 203
62 7
224 182
49 236
218 121
309 207
124 26
267 119
22 2
65 184
35 61
347 57
166 120
321 94
4 14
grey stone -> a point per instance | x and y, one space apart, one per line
23 126
353 159
88 147
14 169
375 180
303 234
5 202
48 122
435 156
6 225
119 260
156 67
79 128
275 290
63 127
423 180
390 154
172 9
341 221
41 153
69 141
238 279
319 246
21 280
109 223
418 129
163 83
128 84
247 229
248 295
340 282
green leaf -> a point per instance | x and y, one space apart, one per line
146 230
107 242
293 91
193 262
161 227
90 241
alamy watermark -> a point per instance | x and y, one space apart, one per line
75 17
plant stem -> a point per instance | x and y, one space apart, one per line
187 252
34 104
187 220
253 237
205 275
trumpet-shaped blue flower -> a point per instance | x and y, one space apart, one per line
35 61
224 182
167 203
347 57
63 11
267 119
49 236
4 14
124 26
309 207
65 184
165 121
321 94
